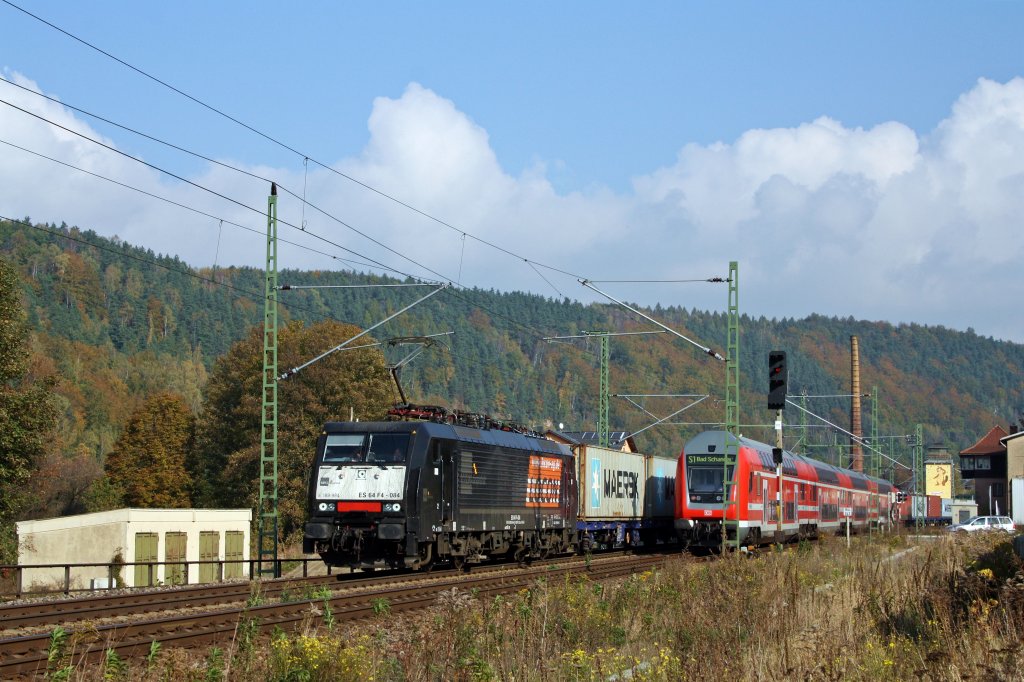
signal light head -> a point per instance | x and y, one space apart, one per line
777 376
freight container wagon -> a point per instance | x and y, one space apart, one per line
625 497
659 500
922 509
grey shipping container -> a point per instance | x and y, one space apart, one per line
612 484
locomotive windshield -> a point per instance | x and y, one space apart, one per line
344 447
705 479
378 448
387 447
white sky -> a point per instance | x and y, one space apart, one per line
904 221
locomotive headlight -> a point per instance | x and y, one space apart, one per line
322 506
392 507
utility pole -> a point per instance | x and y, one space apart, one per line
778 379
778 456
919 473
267 517
602 405
802 443
732 409
603 428
876 459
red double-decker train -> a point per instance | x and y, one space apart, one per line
816 497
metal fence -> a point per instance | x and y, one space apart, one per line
12 576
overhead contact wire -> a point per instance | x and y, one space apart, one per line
198 155
286 146
151 77
191 208
222 196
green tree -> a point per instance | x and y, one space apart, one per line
227 463
148 460
103 495
28 411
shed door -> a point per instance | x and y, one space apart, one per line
176 569
234 541
209 550
145 552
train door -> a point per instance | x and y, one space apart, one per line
448 473
788 502
766 503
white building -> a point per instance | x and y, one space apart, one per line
137 547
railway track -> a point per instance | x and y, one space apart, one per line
28 655
44 615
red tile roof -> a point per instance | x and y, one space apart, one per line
988 444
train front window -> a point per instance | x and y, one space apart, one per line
344 447
388 448
705 479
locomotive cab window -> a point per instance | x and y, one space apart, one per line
344 447
705 479
388 448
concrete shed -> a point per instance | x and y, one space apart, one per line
961 510
157 546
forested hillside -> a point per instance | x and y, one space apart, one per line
118 324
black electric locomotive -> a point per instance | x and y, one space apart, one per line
407 493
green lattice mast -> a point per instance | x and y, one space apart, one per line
267 519
603 439
732 410
876 457
918 462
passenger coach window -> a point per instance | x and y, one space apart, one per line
344 447
388 448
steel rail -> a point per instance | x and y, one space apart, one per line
64 611
30 655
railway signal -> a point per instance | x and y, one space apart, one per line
777 375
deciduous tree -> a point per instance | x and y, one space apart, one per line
226 466
28 411
148 460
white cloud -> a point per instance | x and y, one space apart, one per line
876 223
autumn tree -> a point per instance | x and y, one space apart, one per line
148 460
63 481
28 411
226 467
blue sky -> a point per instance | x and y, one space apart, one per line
858 144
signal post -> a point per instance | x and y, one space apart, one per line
777 377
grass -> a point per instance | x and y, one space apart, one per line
947 609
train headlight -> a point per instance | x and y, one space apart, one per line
325 506
392 507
